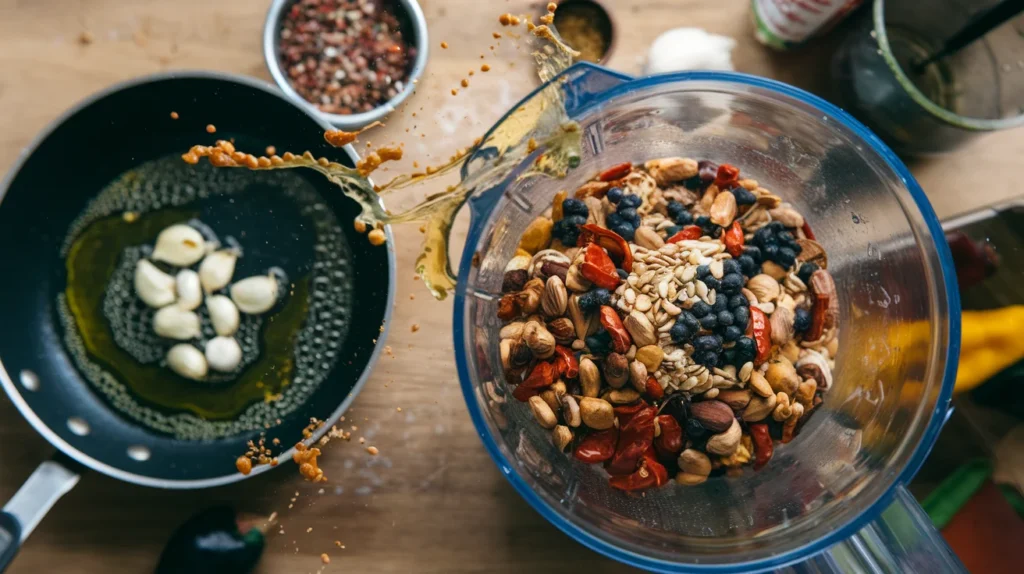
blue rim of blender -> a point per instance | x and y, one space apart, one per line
921 450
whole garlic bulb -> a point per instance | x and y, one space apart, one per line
190 294
152 285
223 315
187 361
179 245
217 268
223 354
174 322
255 295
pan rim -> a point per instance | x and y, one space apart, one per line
52 437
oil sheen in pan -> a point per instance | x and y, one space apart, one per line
287 353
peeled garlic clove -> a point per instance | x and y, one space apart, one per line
255 295
223 315
174 322
216 270
152 285
190 294
223 354
187 361
179 245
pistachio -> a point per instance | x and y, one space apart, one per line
223 354
255 295
513 281
590 378
782 325
764 287
714 415
580 322
217 268
512 330
529 297
570 410
554 298
563 330
787 216
597 414
616 369
190 293
759 385
669 170
574 279
518 262
737 399
152 285
759 408
551 398
179 245
539 340
812 252
641 329
621 396
561 436
811 365
537 235
174 322
223 315
651 356
647 237
638 376
725 444
543 413
187 361
723 210
545 257
782 376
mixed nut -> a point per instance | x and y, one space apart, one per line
176 298
669 319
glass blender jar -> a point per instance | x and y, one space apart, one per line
839 486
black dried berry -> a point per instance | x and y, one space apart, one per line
725 318
805 272
708 343
732 283
703 271
754 253
684 218
700 309
744 196
614 194
709 321
748 266
674 208
614 220
707 358
573 206
720 304
740 316
694 429
690 320
625 231
801 320
732 333
630 201
746 350
738 300
680 333
786 257
730 266
622 274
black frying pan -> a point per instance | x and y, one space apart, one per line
50 184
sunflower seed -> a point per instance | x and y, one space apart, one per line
717 269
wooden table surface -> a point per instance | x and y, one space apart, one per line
432 501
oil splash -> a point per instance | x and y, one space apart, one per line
539 134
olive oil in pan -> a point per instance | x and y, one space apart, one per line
287 352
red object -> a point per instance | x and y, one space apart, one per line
597 447
611 323
565 361
763 448
733 239
819 314
983 532
616 172
688 232
617 247
727 174
635 438
653 389
761 332
542 376
625 413
651 473
807 231
974 261
669 443
598 268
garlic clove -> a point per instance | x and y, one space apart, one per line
255 295
179 245
174 322
223 314
187 361
217 268
223 354
190 294
152 285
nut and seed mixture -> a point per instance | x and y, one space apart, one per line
345 56
669 319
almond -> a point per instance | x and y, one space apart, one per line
723 209
737 399
540 341
726 443
640 329
670 170
590 378
714 415
647 237
787 216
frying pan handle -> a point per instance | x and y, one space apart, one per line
50 481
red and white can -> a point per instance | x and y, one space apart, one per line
784 24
